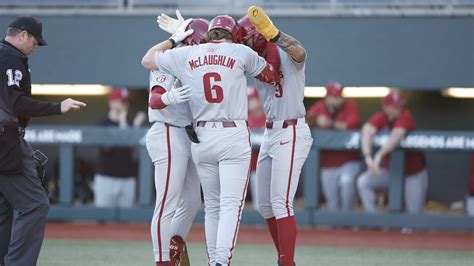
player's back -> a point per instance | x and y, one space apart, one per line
216 73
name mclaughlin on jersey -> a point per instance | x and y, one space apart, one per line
220 60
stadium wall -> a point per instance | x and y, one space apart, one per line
408 52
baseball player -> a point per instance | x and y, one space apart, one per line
178 194
287 138
339 169
399 121
216 73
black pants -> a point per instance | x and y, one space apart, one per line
23 214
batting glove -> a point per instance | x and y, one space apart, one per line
182 33
262 22
177 95
168 23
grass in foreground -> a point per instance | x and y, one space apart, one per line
130 253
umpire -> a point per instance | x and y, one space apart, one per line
23 200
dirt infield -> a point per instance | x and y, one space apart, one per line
256 235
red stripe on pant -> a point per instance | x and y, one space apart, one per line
166 191
241 204
291 171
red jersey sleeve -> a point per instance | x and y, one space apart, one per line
379 120
155 98
405 121
319 108
352 114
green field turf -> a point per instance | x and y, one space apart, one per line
103 253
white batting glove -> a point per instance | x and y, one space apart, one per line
182 33
177 95
168 23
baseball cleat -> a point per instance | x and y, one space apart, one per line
177 249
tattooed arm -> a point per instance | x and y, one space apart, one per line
291 46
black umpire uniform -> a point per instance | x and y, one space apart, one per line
23 200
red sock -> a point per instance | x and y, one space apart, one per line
287 240
163 263
272 227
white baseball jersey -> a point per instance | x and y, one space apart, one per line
216 73
285 101
178 114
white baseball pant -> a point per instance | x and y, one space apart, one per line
223 161
416 186
339 185
282 155
178 194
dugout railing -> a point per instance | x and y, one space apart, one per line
67 138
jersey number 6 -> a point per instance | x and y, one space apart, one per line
214 92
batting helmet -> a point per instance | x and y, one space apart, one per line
199 25
249 32
227 23
334 88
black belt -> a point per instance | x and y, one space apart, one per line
7 128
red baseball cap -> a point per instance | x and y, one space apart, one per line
334 88
393 99
118 94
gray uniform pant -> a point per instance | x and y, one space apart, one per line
416 186
23 213
339 185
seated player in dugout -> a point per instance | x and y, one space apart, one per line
339 169
399 121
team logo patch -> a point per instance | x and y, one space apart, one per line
161 79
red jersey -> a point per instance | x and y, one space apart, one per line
349 113
414 160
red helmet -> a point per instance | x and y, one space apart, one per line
249 32
199 25
334 88
227 23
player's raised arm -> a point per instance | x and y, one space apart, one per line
264 26
258 67
148 60
269 74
